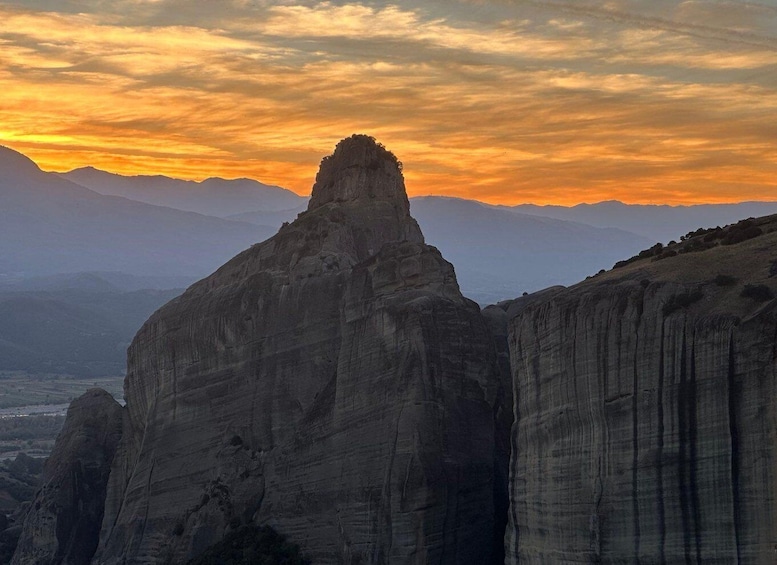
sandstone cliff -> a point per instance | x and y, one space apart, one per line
64 521
331 382
645 409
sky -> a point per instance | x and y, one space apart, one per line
504 101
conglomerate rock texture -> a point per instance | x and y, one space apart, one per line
64 521
646 412
331 382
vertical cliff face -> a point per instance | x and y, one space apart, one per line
331 382
497 321
64 521
645 414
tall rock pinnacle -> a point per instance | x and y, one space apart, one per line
331 382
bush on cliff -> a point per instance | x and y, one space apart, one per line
254 545
682 300
757 292
725 280
741 231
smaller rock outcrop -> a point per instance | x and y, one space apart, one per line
64 520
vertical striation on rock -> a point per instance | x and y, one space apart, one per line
645 414
331 382
497 320
63 524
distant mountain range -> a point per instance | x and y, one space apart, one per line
88 231
79 325
51 225
499 253
176 231
211 197
657 222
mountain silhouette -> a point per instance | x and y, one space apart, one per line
212 197
657 222
50 225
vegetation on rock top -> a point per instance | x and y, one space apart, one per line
699 240
252 545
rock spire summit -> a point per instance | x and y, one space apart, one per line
360 169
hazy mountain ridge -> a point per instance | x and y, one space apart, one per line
106 281
213 197
51 225
73 330
657 222
77 323
500 253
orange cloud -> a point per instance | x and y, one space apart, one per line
524 102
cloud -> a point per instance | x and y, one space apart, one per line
511 102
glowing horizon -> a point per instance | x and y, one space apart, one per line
506 102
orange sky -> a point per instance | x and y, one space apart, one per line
504 101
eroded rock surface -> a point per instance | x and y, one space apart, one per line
646 417
330 382
64 521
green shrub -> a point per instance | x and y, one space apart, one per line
254 545
725 280
701 231
696 245
757 292
682 300
665 254
741 231
738 236
716 233
657 249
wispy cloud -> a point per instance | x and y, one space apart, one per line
508 102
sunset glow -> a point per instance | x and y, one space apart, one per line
502 101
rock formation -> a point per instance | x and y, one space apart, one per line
64 521
331 382
645 409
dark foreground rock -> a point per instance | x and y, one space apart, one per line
331 383
65 517
645 415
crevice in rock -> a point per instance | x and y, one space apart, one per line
693 433
660 448
682 467
734 436
635 445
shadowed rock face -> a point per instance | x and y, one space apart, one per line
645 414
497 320
331 382
64 520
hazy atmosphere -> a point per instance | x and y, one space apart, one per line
502 101
477 282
